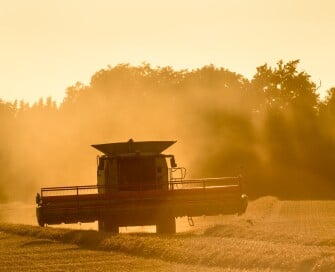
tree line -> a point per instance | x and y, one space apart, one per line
273 129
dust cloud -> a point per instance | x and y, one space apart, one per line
273 129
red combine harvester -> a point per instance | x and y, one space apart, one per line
135 187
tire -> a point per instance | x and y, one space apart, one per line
39 216
166 225
243 205
108 225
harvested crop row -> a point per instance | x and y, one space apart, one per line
202 250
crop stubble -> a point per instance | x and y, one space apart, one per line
272 236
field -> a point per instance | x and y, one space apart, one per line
274 235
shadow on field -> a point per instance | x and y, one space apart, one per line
38 242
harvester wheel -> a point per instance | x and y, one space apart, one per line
39 216
108 225
166 225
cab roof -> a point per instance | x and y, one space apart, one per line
147 147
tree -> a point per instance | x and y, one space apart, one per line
285 87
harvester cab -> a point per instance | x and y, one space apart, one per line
135 187
133 166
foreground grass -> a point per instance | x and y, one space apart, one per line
273 236
30 254
232 253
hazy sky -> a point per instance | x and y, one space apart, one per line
47 46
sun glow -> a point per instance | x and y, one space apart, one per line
47 47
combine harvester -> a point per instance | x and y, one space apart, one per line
135 187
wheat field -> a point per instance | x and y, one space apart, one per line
273 235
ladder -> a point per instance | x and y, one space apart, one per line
190 221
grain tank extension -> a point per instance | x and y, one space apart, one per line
137 185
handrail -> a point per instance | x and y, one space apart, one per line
94 189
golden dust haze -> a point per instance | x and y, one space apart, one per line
272 129
264 121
